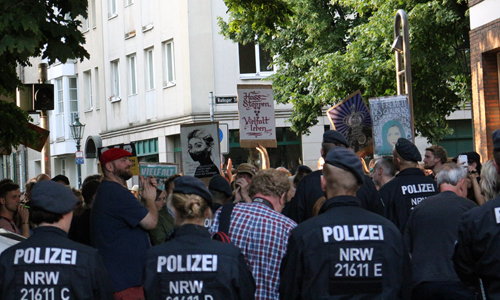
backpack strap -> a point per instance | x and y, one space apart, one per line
224 222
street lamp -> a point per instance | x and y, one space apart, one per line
77 133
401 48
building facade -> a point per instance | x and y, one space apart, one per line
485 62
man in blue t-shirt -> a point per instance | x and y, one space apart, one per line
119 223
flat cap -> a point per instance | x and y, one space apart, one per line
192 185
496 139
247 168
407 150
347 160
113 154
218 183
53 197
333 136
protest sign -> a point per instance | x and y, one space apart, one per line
256 112
391 119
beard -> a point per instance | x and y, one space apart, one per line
125 174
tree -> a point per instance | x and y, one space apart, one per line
30 28
325 50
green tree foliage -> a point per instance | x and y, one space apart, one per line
32 28
325 50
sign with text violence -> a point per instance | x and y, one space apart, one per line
256 111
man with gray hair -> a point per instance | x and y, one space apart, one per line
383 171
431 233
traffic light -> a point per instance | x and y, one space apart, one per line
43 96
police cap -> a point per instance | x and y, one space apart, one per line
218 183
407 150
192 185
53 197
335 137
347 160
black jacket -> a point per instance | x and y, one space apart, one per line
404 192
50 266
309 191
346 252
477 252
192 264
431 233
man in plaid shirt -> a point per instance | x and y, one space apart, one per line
261 231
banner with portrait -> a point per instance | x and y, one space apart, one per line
391 120
352 118
200 149
256 112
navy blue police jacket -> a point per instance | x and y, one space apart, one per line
477 251
193 266
404 192
346 252
50 266
309 191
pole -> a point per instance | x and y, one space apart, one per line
44 121
404 76
211 96
78 166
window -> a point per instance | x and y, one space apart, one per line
115 80
112 8
85 25
93 15
87 90
60 98
132 63
150 71
63 166
254 60
169 67
96 77
58 86
73 99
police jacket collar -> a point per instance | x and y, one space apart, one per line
191 230
411 171
340 201
49 229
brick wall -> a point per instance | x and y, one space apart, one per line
485 44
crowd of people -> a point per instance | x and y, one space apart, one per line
401 230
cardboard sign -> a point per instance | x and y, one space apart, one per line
200 149
391 120
160 172
256 112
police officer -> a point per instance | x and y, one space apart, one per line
49 266
409 187
192 265
300 208
346 252
476 257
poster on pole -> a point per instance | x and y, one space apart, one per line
256 112
391 120
352 118
159 171
200 149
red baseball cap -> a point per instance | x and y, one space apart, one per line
113 154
